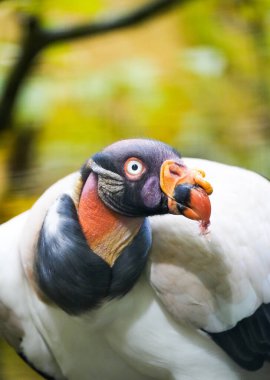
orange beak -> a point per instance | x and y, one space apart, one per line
187 191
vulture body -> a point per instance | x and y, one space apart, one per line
193 306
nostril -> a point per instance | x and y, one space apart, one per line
175 170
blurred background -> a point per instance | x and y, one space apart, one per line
197 77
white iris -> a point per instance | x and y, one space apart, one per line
134 167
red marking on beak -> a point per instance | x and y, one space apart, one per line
187 191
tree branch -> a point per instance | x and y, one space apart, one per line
135 17
37 38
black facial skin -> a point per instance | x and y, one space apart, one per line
142 197
182 196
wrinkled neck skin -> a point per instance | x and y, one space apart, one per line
106 231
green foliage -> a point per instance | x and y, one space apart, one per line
197 79
59 9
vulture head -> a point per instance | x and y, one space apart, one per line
94 246
139 178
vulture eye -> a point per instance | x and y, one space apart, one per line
134 168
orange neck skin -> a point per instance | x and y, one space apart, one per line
106 231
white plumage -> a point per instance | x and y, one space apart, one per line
223 276
192 282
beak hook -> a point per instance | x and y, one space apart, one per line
187 191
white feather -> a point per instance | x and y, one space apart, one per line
232 263
152 333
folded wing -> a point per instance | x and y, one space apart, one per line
220 282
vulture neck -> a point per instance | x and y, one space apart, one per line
106 231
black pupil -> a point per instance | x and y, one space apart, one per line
134 167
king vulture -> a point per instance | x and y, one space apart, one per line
100 281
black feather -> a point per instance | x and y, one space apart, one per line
68 272
71 275
130 264
248 343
